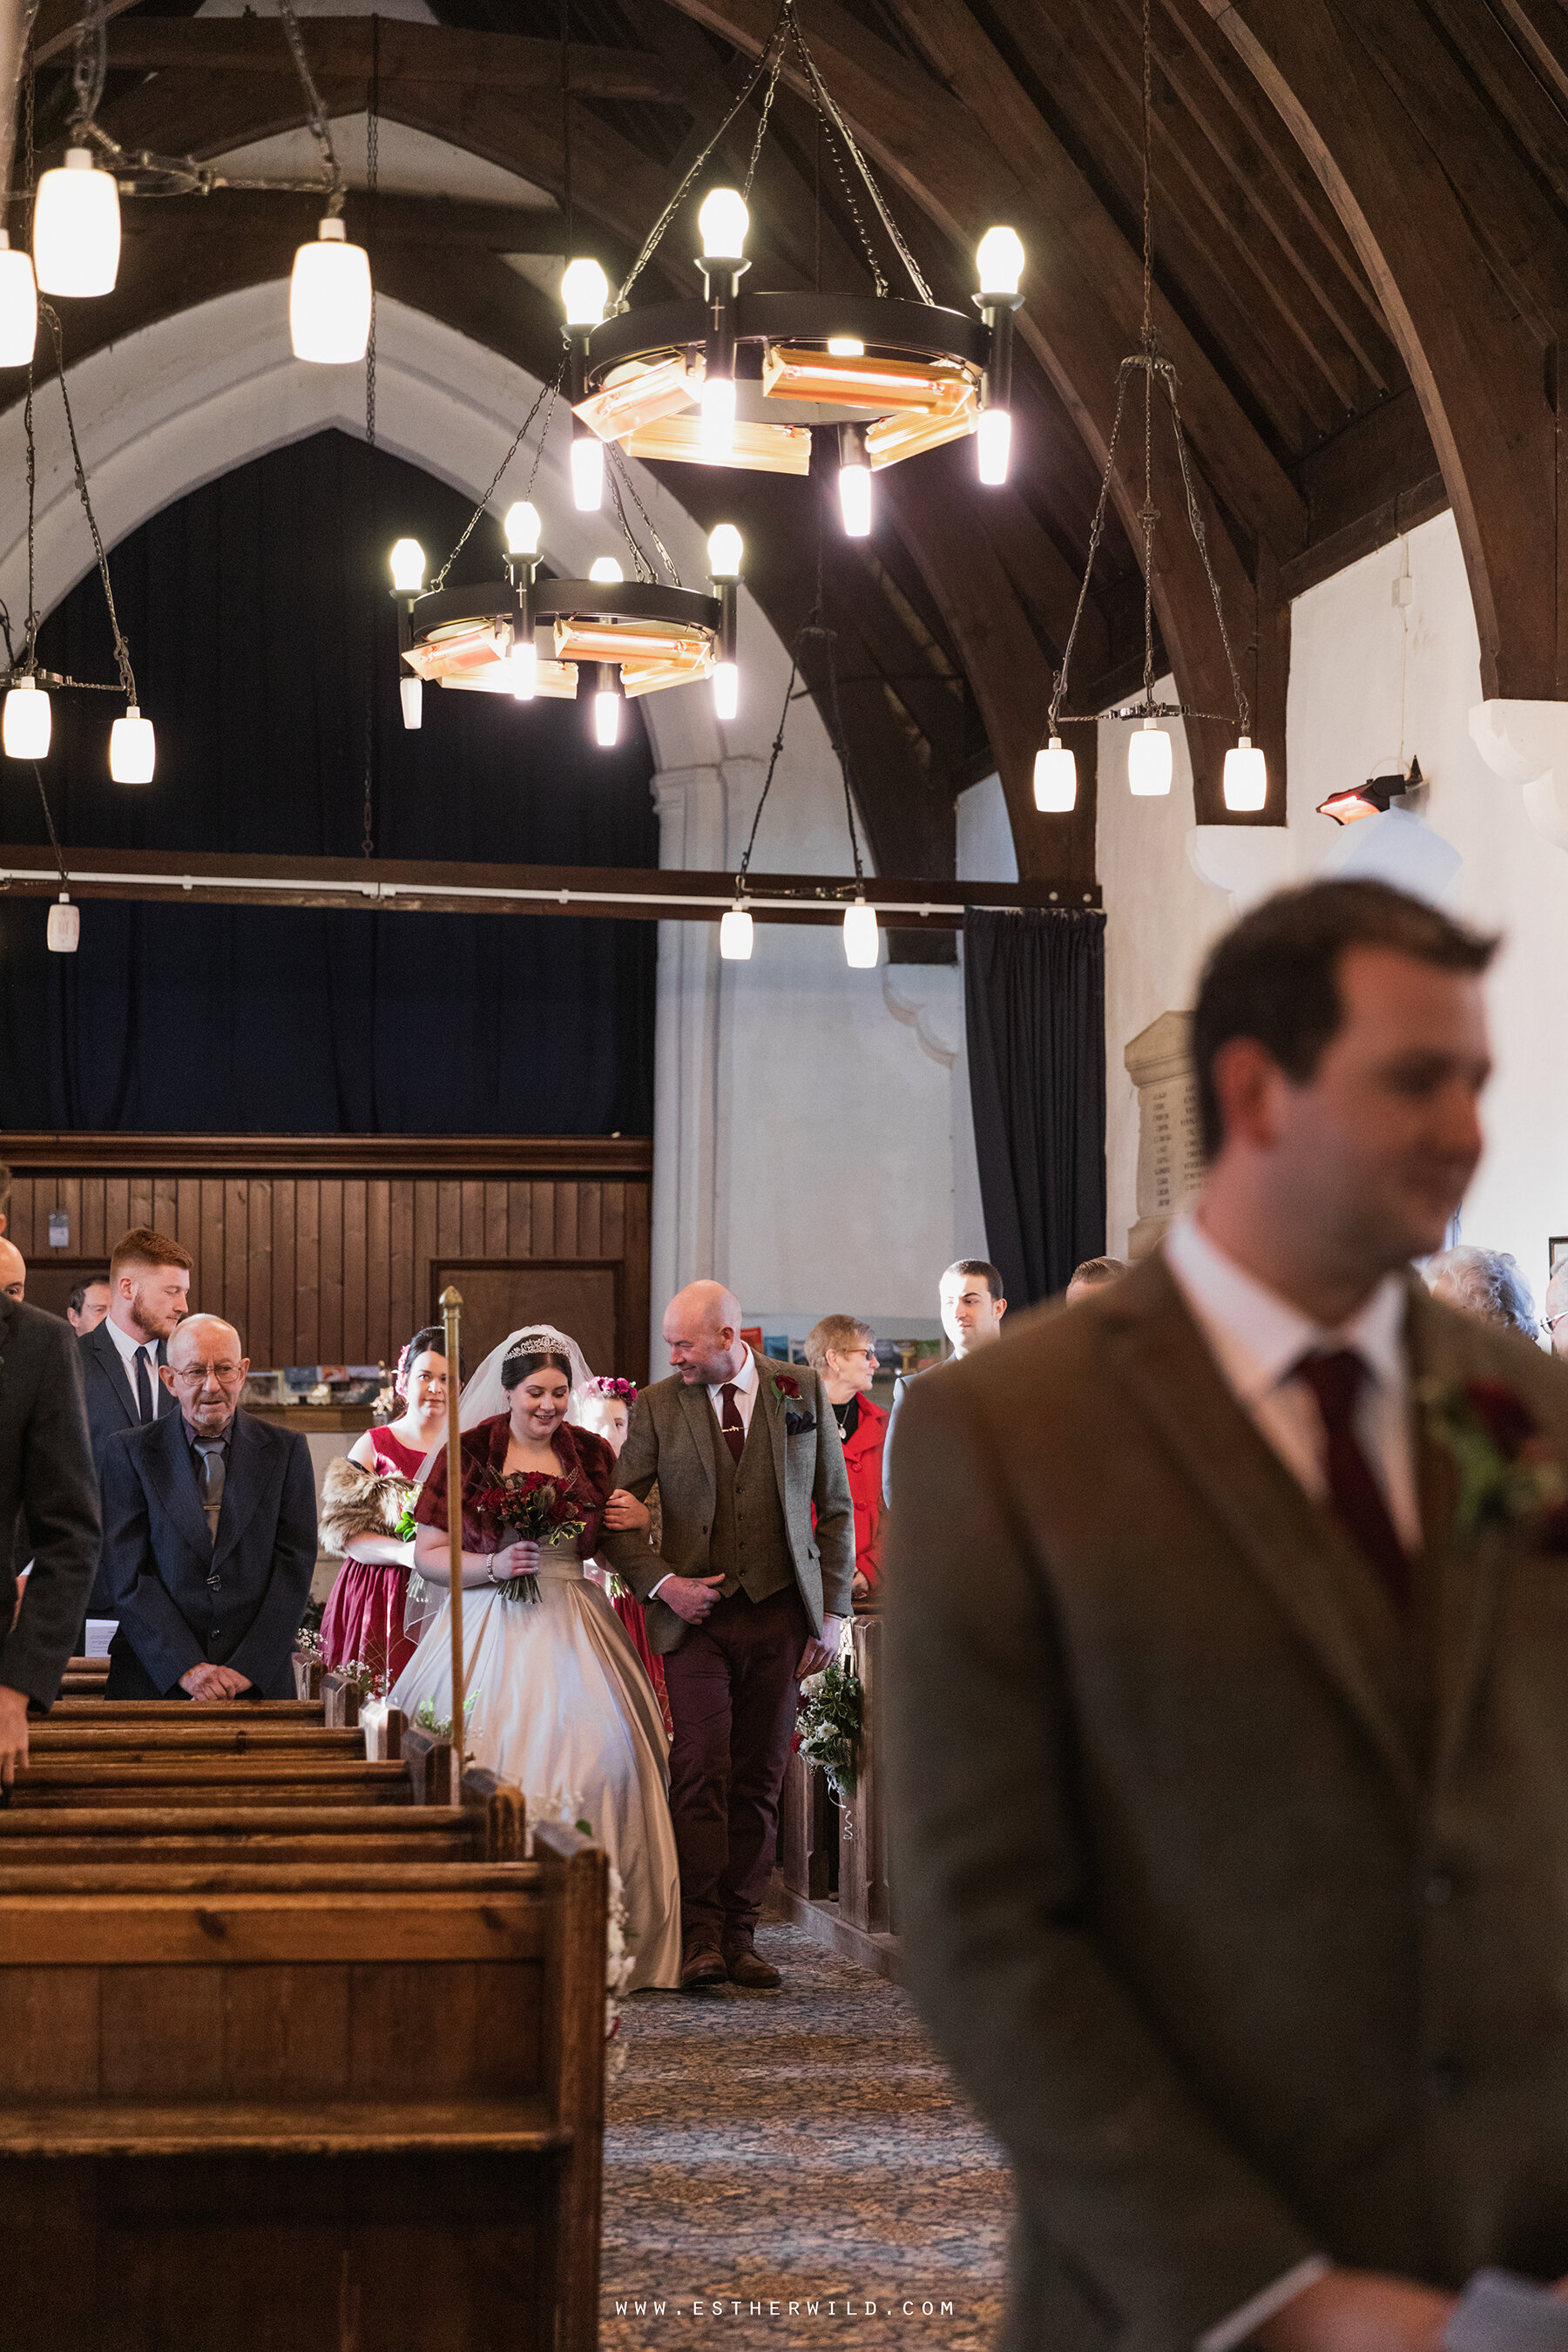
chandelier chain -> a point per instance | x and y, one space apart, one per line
621 477
826 106
546 391
372 183
50 317
90 66
29 173
321 129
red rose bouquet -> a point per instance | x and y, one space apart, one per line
527 1506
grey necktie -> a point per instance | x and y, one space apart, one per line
211 1476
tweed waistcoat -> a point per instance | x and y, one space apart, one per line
750 1540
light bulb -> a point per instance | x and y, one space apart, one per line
854 497
1055 779
131 749
1149 761
605 570
407 561
726 690
725 551
992 445
524 668
860 940
587 473
521 528
584 290
607 716
999 257
846 347
18 306
735 935
330 299
25 721
718 418
723 221
410 694
64 927
76 228
1246 778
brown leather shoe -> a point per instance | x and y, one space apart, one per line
746 1969
702 1970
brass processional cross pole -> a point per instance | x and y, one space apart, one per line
452 1317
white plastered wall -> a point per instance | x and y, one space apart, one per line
804 1118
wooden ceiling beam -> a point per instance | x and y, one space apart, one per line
1477 370
343 48
441 221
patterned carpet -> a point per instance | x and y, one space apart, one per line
802 2147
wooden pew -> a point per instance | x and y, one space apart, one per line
423 2049
84 1677
292 1779
103 1711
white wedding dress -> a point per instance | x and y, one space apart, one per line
563 1708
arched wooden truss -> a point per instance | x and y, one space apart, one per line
1361 252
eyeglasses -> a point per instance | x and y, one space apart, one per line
192 1376
1554 1321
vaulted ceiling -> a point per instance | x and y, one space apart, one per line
1361 258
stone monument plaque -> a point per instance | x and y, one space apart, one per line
1170 1156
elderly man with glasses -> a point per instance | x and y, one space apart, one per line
209 1535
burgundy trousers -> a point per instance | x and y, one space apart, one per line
733 1698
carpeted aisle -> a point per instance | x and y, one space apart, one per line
802 2148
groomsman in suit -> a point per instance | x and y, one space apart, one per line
1228 1686
746 1597
209 1536
46 1473
122 1356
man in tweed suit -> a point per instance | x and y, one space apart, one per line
747 1596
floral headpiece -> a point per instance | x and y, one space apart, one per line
626 1390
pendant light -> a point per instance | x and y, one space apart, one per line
25 722
63 930
584 290
723 221
1148 761
76 228
18 306
131 749
725 551
1246 780
330 299
408 564
521 528
1055 779
411 694
607 699
735 934
999 259
854 482
862 943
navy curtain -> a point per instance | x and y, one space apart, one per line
1034 997
259 618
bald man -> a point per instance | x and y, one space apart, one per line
747 1595
209 1535
13 1271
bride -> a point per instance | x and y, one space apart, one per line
559 1702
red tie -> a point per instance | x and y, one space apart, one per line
732 1427
1358 1501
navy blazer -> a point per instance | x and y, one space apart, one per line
111 1408
182 1599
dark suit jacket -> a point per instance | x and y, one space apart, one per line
110 1411
161 1566
672 1439
1241 1910
45 1471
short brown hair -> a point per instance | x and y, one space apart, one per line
142 1247
1275 976
1098 1270
982 1266
838 1332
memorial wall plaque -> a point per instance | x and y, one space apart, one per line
1170 1156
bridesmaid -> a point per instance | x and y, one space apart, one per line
608 1409
364 1498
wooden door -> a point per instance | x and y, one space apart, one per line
581 1298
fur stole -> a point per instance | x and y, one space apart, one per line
357 1502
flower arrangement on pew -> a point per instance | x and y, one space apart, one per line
827 1730
557 1807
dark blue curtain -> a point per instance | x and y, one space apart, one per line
1034 996
259 622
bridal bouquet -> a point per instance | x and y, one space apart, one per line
527 1506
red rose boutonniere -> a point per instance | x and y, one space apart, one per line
1509 1475
786 1391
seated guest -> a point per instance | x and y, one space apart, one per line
13 1271
1487 1283
88 1305
365 1499
972 1303
1093 1275
843 1354
45 1472
209 1536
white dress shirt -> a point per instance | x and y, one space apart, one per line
1258 1339
126 1344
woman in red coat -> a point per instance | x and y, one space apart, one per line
842 1352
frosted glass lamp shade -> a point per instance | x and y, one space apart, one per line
724 552
18 306
131 749
521 528
64 928
329 299
25 721
855 497
407 561
76 228
735 936
718 418
587 473
993 446
605 570
1246 779
606 717
524 668
584 290
410 694
999 259
1055 779
726 691
846 347
1149 762
723 221
861 943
